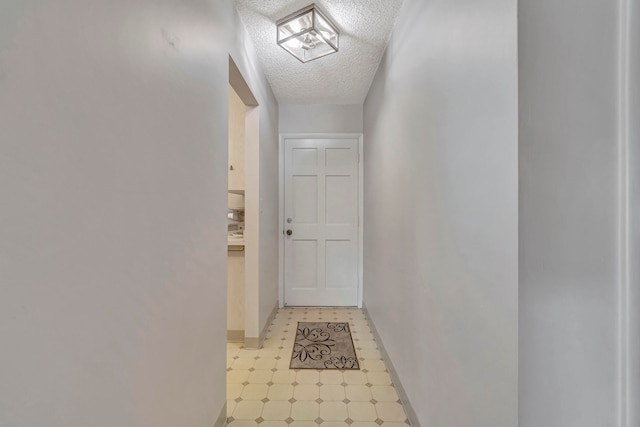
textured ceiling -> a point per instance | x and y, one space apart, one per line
340 78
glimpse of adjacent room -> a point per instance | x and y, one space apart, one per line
243 197
236 221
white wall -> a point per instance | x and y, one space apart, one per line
312 118
634 214
237 113
236 293
441 206
113 152
568 212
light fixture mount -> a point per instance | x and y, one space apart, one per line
307 34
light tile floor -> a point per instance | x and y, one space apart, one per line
262 390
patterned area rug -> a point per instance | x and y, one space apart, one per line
322 345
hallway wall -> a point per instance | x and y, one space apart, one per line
312 118
634 213
440 261
569 217
113 154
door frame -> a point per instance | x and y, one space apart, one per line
281 219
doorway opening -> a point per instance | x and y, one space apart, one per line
242 212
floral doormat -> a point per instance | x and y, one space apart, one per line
322 345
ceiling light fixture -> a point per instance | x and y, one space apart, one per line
307 34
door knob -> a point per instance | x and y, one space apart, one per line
289 232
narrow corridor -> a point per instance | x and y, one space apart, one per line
262 390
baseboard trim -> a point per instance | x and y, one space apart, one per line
235 336
252 342
411 414
222 418
257 342
268 323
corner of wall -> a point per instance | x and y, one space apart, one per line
257 342
221 421
402 394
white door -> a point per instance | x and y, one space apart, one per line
321 222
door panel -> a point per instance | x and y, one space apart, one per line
305 275
305 199
321 212
339 258
339 192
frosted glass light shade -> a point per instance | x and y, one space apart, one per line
307 34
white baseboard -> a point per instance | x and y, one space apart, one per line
222 418
235 336
257 342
